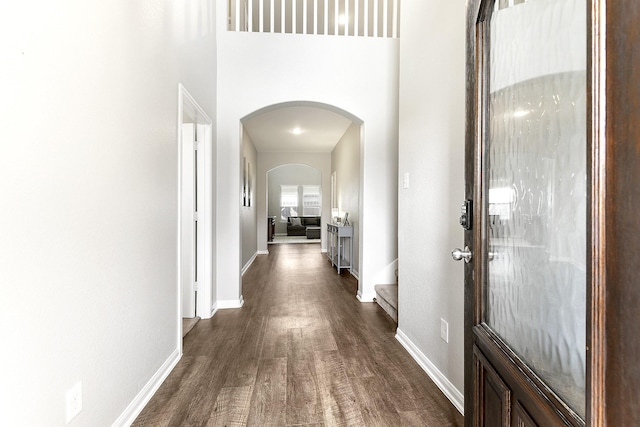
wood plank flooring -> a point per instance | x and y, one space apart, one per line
303 351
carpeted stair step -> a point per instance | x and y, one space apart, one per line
387 298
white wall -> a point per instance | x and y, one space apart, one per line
345 162
268 161
432 123
88 173
292 174
249 213
358 75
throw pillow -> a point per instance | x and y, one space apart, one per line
296 222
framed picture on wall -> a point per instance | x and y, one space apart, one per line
248 184
244 181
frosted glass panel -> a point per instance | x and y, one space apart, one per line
536 189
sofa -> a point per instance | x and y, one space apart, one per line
297 225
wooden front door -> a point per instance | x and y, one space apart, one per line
528 356
552 302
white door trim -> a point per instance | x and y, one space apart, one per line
188 238
190 112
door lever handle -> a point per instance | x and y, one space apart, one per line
465 254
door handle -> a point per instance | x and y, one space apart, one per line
465 254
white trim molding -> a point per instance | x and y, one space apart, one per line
225 304
443 383
248 264
189 108
140 401
362 297
214 310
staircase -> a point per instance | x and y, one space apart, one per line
387 298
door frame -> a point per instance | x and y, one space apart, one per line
190 112
614 293
612 162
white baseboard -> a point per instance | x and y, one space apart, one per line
263 252
225 304
365 297
248 264
354 274
213 310
443 383
140 401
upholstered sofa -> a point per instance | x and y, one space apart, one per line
297 226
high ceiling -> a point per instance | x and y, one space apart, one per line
319 129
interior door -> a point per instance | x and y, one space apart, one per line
526 280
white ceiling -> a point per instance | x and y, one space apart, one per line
320 129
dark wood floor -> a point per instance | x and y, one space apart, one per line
302 351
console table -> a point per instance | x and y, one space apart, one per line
335 250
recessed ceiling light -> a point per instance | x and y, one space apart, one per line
296 131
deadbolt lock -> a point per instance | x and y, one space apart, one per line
466 217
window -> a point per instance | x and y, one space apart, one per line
288 201
311 202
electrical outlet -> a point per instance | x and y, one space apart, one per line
405 180
74 401
444 330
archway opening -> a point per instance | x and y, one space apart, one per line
320 136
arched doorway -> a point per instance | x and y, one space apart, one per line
317 135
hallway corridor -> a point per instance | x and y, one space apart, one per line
302 351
